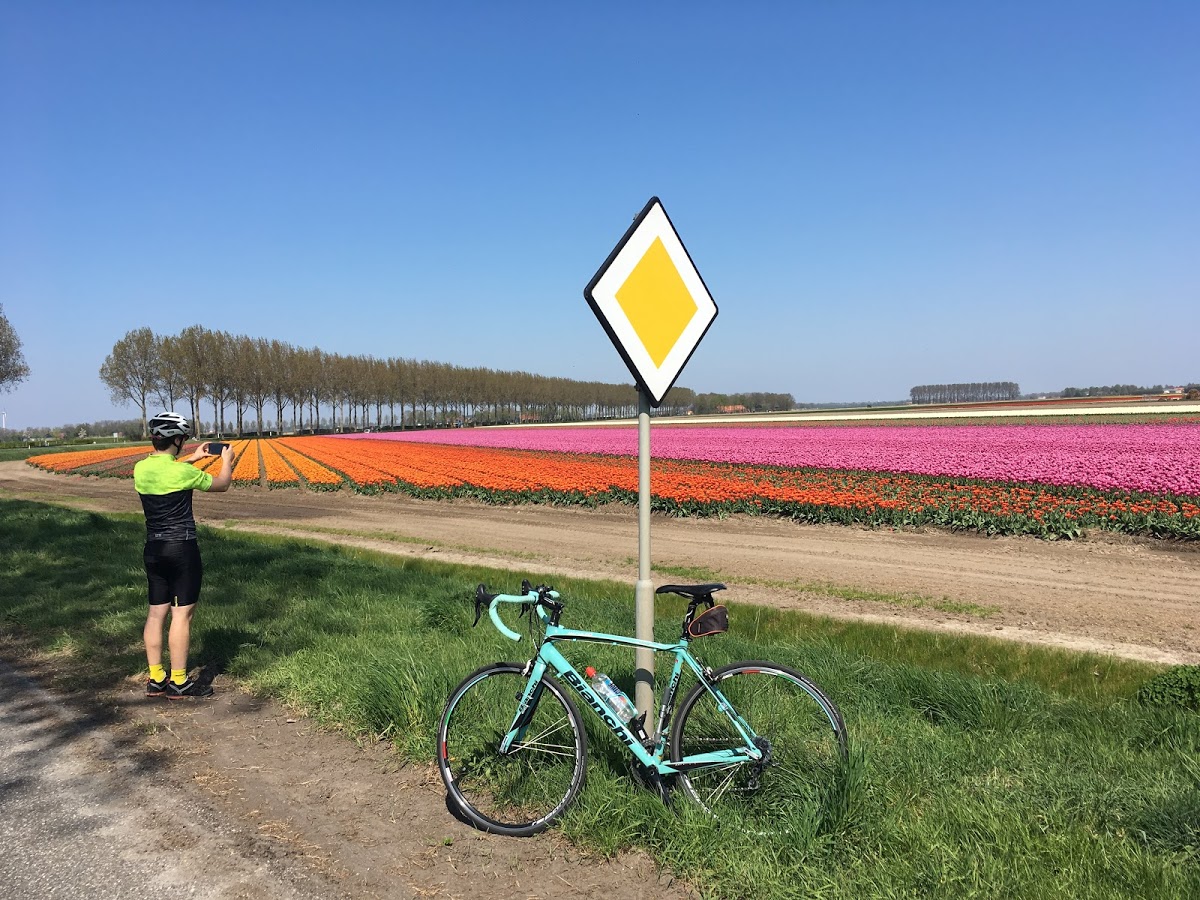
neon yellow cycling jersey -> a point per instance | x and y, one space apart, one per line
165 485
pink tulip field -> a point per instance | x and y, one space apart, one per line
1151 459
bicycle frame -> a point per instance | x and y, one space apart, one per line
549 657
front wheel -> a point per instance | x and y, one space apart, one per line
520 791
800 782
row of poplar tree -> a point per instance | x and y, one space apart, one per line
965 393
270 382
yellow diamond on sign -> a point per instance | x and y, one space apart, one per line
657 302
652 301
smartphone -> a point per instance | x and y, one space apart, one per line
215 447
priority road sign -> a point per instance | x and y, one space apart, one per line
652 301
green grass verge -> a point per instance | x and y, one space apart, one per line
389 537
908 601
988 769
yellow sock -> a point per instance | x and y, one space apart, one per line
178 676
157 673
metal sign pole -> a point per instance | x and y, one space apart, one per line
644 592
655 308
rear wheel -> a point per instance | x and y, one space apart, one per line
521 791
800 782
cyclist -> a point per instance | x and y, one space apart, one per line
172 557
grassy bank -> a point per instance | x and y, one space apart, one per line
988 769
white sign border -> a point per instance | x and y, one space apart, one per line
652 224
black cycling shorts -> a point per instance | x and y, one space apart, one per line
173 570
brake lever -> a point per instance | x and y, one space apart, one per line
529 606
479 592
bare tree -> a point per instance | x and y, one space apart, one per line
318 382
259 387
170 384
188 357
276 360
13 369
299 378
244 376
218 374
131 369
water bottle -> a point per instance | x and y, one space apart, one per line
616 698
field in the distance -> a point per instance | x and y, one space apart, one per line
1136 473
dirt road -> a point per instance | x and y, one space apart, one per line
1110 594
239 799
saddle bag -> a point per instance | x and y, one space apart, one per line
711 621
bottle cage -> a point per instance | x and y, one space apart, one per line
714 620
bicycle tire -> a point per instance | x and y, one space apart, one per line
521 792
801 785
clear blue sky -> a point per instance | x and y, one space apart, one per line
878 195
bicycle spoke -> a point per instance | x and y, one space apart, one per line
547 731
550 749
716 793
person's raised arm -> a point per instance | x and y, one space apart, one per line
221 482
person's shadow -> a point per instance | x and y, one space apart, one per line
221 645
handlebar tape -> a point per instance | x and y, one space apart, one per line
500 626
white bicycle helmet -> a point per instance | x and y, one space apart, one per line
170 424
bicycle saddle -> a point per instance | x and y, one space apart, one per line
695 591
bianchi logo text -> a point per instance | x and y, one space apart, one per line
599 708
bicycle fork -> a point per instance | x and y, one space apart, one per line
526 707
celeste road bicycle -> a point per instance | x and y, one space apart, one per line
754 744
